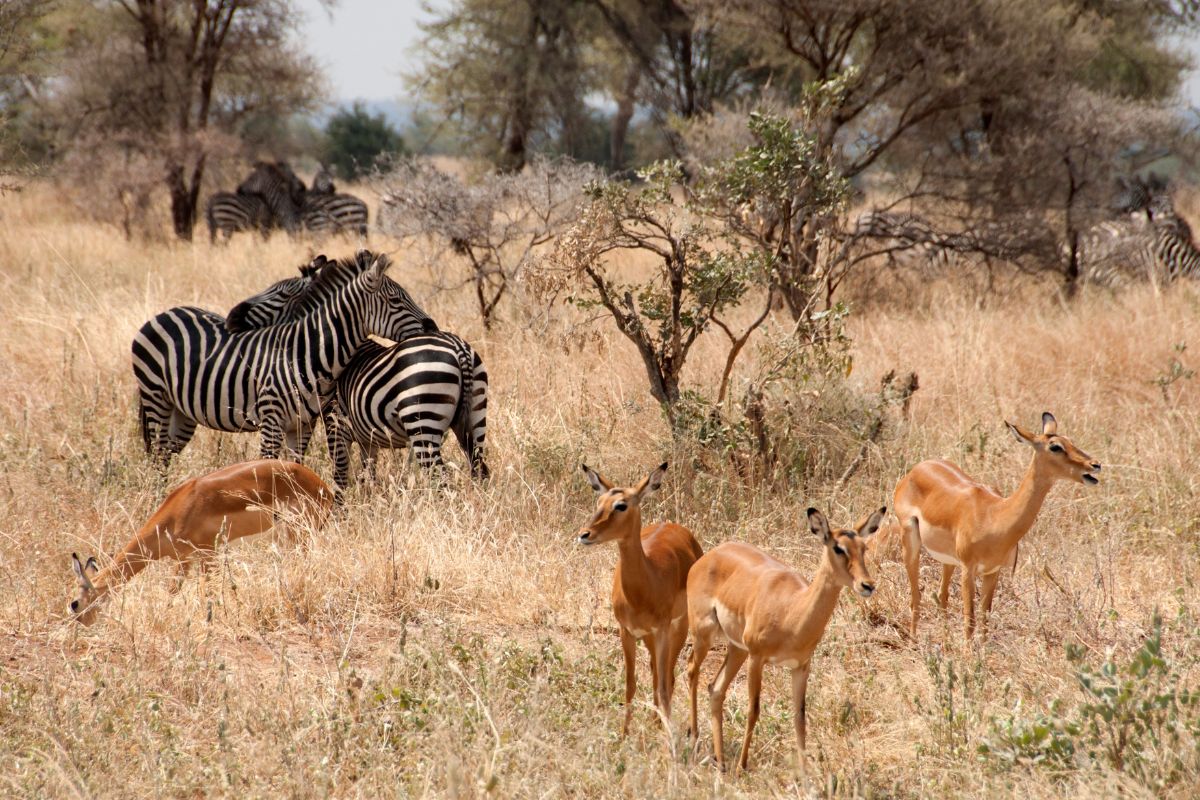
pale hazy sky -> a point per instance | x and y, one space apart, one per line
365 45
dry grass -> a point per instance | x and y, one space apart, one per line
453 641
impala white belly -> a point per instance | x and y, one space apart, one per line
733 625
945 558
786 663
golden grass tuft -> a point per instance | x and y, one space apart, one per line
452 641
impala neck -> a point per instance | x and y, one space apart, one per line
630 551
1018 511
824 592
136 556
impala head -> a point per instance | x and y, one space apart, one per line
84 607
847 548
1058 453
617 510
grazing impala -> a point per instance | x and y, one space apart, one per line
239 500
649 586
770 615
962 523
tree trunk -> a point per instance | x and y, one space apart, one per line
620 121
184 198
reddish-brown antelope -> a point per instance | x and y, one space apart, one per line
962 523
769 614
649 586
239 500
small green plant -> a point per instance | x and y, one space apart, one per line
1174 373
1135 716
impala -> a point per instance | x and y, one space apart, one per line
649 586
962 523
769 614
239 500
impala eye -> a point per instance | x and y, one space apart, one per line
620 506
1056 448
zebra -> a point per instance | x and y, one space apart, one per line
391 396
191 371
279 187
230 213
334 213
907 239
1156 243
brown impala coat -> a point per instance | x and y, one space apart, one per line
650 583
236 501
962 523
770 615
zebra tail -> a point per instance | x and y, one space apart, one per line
460 423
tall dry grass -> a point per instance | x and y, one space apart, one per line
452 641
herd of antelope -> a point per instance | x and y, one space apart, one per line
665 586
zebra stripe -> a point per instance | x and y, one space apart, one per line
334 213
279 187
1156 244
409 393
192 371
231 213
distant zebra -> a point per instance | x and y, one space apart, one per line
1156 244
190 370
333 214
408 393
280 188
231 213
906 239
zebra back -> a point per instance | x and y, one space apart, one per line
265 308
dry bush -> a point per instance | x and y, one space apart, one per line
452 641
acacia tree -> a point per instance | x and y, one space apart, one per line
496 222
172 79
707 265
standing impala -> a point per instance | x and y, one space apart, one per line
650 583
769 615
962 523
236 501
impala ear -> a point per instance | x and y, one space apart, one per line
80 570
1022 435
818 524
1049 424
598 482
651 483
866 529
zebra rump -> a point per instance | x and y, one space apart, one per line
411 392
232 213
334 214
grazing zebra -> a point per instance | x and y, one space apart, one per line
907 239
408 393
191 371
334 213
279 187
230 213
1156 243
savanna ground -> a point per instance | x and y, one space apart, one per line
453 640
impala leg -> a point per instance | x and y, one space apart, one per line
799 699
944 592
754 684
734 658
911 542
678 637
663 646
968 593
629 648
987 590
651 641
701 643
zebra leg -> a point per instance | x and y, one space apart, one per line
296 441
272 439
337 439
428 450
179 431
